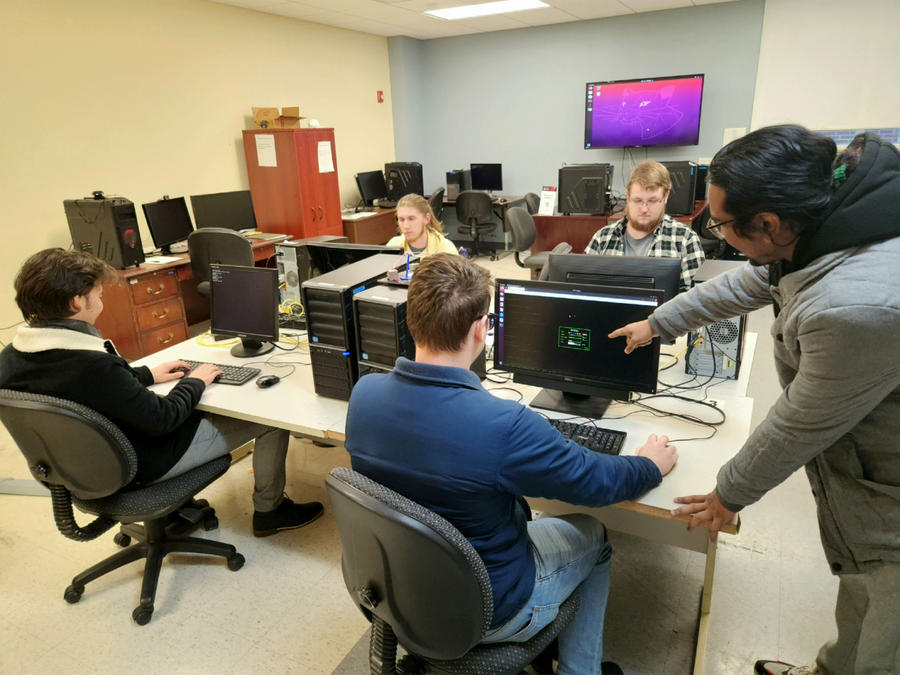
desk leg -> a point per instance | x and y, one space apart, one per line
705 604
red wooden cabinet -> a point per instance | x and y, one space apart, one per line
298 196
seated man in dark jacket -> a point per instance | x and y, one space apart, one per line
60 353
431 432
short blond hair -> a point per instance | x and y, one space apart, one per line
650 175
420 204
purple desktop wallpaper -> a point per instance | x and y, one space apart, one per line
654 112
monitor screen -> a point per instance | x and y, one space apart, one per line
233 210
168 221
617 270
555 336
244 303
652 111
327 256
487 176
371 186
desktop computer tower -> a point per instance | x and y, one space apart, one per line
684 186
381 332
458 180
403 178
328 301
106 227
584 188
294 265
718 351
700 191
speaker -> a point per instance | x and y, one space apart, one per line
458 180
584 188
718 349
106 227
403 178
684 185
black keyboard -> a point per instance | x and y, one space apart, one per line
230 374
607 441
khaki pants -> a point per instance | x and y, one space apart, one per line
868 621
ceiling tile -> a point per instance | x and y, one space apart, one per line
547 15
591 9
654 5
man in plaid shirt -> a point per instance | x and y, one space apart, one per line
646 230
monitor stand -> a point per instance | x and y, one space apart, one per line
249 348
579 405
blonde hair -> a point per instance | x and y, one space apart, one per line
420 204
650 175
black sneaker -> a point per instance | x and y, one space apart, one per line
771 667
288 516
610 668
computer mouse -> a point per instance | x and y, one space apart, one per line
267 381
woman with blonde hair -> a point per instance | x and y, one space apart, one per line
420 231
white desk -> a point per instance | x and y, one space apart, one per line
292 404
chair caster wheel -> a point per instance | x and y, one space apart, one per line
199 503
210 524
122 539
142 614
235 562
73 594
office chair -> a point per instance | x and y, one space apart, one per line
475 214
216 245
436 201
521 225
713 247
85 460
422 585
532 202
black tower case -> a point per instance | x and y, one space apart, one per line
584 188
684 187
106 227
403 178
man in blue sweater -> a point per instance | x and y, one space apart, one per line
431 432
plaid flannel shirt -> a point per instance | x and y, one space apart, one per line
671 239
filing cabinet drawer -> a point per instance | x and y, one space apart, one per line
161 338
159 314
152 287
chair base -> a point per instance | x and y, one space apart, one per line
153 544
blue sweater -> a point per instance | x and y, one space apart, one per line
435 435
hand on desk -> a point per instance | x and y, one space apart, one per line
637 334
704 509
175 370
658 450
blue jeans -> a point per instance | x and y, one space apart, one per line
568 550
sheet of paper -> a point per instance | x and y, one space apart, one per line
161 259
548 200
326 165
265 150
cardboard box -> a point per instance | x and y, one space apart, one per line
268 118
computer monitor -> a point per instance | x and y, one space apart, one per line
616 270
327 256
371 186
233 210
554 335
403 178
487 176
244 303
169 222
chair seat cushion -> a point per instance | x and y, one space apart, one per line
156 500
536 261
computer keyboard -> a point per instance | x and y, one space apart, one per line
387 204
230 374
606 441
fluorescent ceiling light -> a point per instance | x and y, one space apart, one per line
486 9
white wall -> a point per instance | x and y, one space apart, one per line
142 98
829 64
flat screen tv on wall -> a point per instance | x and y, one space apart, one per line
647 112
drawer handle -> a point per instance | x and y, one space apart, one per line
167 340
321 213
313 209
161 288
160 316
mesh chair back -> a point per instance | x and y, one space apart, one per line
473 206
68 444
532 202
410 567
436 201
713 247
521 226
217 245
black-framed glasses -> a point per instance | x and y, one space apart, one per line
492 319
713 226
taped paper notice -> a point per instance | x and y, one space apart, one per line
326 164
265 150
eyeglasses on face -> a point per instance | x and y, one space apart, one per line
492 319
714 226
640 203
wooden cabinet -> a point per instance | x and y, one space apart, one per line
298 196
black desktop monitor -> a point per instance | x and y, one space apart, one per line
169 222
371 186
555 336
233 210
244 303
487 176
327 256
617 270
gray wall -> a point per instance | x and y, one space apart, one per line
516 96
